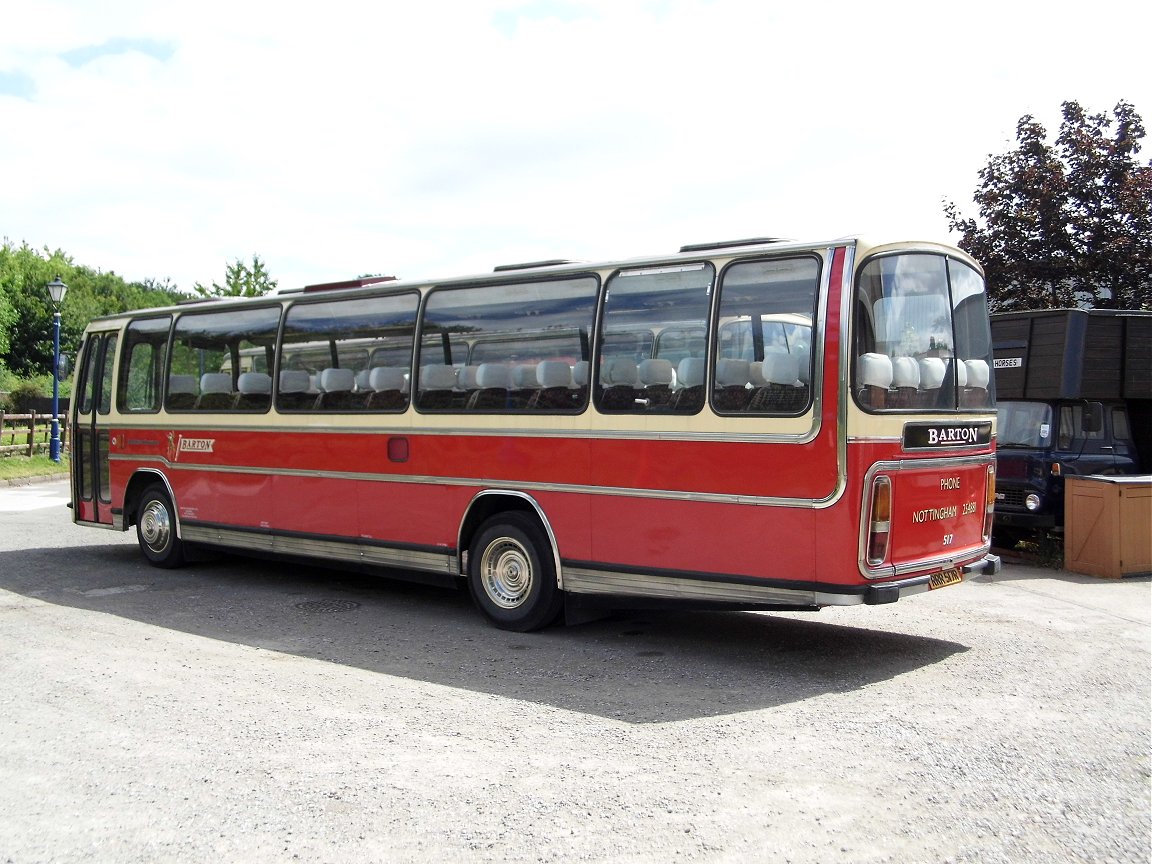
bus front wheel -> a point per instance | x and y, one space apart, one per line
511 574
156 529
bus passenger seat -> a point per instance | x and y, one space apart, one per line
388 392
554 392
215 392
524 385
906 381
336 390
466 384
732 392
874 375
293 394
781 392
932 373
656 378
689 398
254 391
581 376
975 395
492 381
436 383
961 371
182 392
618 380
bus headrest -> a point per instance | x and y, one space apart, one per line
437 377
553 373
216 382
656 372
386 378
337 380
932 371
781 369
874 370
254 383
690 371
731 372
294 381
977 373
493 376
905 372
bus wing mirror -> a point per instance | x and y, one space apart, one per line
63 368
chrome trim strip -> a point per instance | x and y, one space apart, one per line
583 581
332 550
123 517
539 513
847 280
105 525
501 485
579 433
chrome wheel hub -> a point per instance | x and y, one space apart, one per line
155 526
506 572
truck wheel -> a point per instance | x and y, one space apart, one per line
1007 538
156 529
511 573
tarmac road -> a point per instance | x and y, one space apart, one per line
245 711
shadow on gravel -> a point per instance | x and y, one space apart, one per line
634 667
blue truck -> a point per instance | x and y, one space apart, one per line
1073 396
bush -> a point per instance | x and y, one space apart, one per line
23 397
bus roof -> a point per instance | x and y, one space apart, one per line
562 267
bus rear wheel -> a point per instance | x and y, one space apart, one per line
156 529
511 574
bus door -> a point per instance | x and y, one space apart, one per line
91 489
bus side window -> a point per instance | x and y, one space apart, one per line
482 346
142 365
766 320
652 318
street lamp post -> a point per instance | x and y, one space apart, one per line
56 289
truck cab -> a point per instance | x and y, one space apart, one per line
1040 443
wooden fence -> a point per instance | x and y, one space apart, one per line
28 434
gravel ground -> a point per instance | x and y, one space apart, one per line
247 711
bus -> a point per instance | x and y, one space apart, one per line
757 424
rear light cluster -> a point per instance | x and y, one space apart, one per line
879 521
989 502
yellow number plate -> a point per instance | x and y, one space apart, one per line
945 577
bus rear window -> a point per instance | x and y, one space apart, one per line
922 336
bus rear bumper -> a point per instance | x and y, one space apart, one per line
890 592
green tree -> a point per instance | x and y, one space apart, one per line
240 280
26 325
1066 224
24 275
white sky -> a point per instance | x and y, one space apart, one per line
422 138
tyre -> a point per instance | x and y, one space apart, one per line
1007 538
512 574
156 528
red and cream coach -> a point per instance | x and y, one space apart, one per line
758 424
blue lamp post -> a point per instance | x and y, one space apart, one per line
56 289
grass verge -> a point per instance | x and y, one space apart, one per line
17 467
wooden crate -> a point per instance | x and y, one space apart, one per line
1108 525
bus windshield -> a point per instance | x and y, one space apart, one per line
922 336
